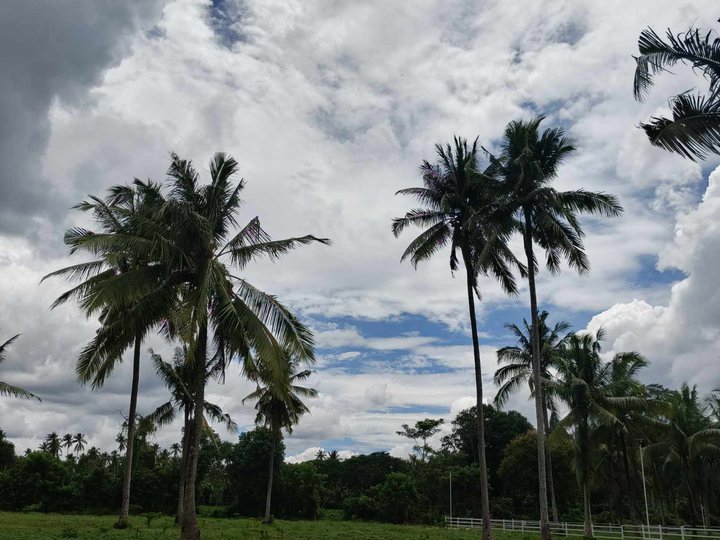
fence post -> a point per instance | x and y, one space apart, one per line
682 532
622 532
522 526
566 529
660 531
513 524
504 525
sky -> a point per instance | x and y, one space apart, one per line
330 107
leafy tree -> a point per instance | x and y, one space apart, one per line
593 393
528 164
123 287
7 451
694 129
422 431
460 210
517 371
8 389
279 406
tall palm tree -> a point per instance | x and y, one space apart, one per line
8 389
279 406
179 378
176 449
123 288
694 129
689 442
460 210
79 443
67 442
517 371
192 237
528 164
53 444
594 391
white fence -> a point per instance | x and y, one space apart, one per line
607 532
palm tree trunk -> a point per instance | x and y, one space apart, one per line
551 482
587 527
539 401
484 492
183 467
268 497
190 529
122 522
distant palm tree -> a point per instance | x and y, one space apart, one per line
321 455
179 378
79 442
594 391
67 442
694 129
53 444
279 406
8 389
123 288
528 164
121 441
175 449
690 441
459 210
333 455
517 371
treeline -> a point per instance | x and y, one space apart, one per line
232 477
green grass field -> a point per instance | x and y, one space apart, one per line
32 526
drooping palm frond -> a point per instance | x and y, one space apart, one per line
8 389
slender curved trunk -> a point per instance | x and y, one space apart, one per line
268 497
190 529
537 376
122 522
484 494
628 480
583 457
551 481
183 467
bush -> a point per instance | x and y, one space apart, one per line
360 507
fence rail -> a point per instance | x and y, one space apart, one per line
601 531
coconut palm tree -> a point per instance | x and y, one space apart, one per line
690 441
528 164
694 129
216 312
67 442
121 286
279 406
594 391
517 371
179 378
460 204
53 444
8 389
79 443
175 449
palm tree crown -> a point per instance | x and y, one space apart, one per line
693 131
8 389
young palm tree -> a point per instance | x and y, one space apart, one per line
528 164
123 287
460 210
594 391
279 406
79 443
179 378
517 371
690 441
8 389
694 129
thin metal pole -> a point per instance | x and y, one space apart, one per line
451 496
642 468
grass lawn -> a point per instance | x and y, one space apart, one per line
33 526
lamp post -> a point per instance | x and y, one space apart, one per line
642 468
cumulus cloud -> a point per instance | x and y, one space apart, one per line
329 110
